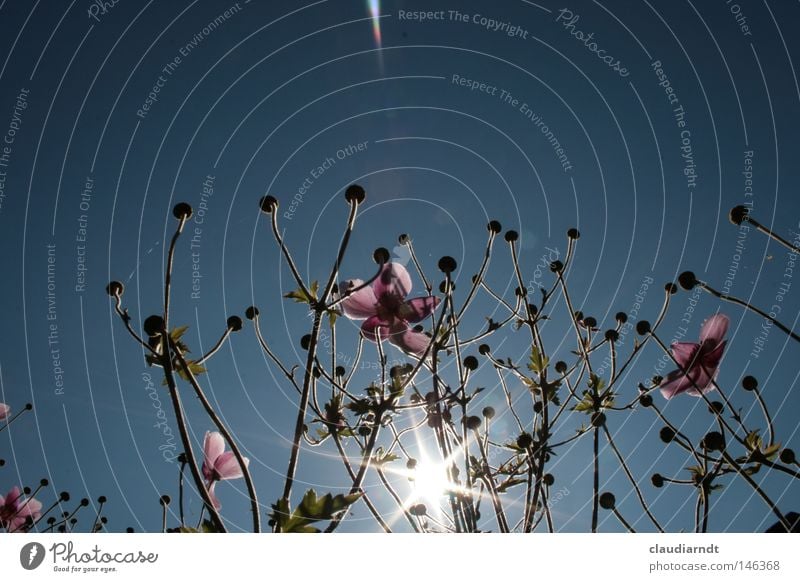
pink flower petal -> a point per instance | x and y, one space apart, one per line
213 447
415 310
227 467
213 496
362 303
684 352
5 410
714 328
712 359
677 382
394 280
374 326
408 340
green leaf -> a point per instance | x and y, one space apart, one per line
300 296
195 368
360 406
311 510
538 362
509 483
209 527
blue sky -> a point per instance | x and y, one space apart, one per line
277 97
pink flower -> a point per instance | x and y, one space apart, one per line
5 410
385 310
15 511
700 361
219 464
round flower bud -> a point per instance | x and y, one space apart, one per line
621 317
84 502
484 349
153 325
494 226
128 530
418 510
165 500
64 496
471 363
738 214
716 407
29 406
474 422
340 371
44 483
511 236
687 280
524 440
657 480
364 431
607 500
643 327
447 416
488 412
533 309
2 462
667 434
749 383
537 407
612 335
590 322
411 464
671 288
443 287
574 233
548 479
561 366
381 256
26 490
115 288
646 400
787 456
235 323
355 194
556 266
305 341
268 204
403 239
251 312
713 441
101 499
598 419
447 264
520 292
182 211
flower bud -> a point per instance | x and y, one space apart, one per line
305 341
340 371
548 479
657 480
511 236
447 264
573 233
598 419
411 464
115 289
667 434
537 407
235 323
713 441
381 256
716 407
355 194
608 501
749 383
44 483
182 211
153 325
101 499
643 327
621 317
494 226
612 335
84 502
403 239
268 204
787 456
165 500
524 440
474 422
364 431
687 280
590 322
251 312
671 288
556 266
471 363
646 400
418 510
738 214
484 349
561 366
488 412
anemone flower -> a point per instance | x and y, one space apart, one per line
386 311
219 464
700 361
5 410
15 511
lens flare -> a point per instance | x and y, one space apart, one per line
374 12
